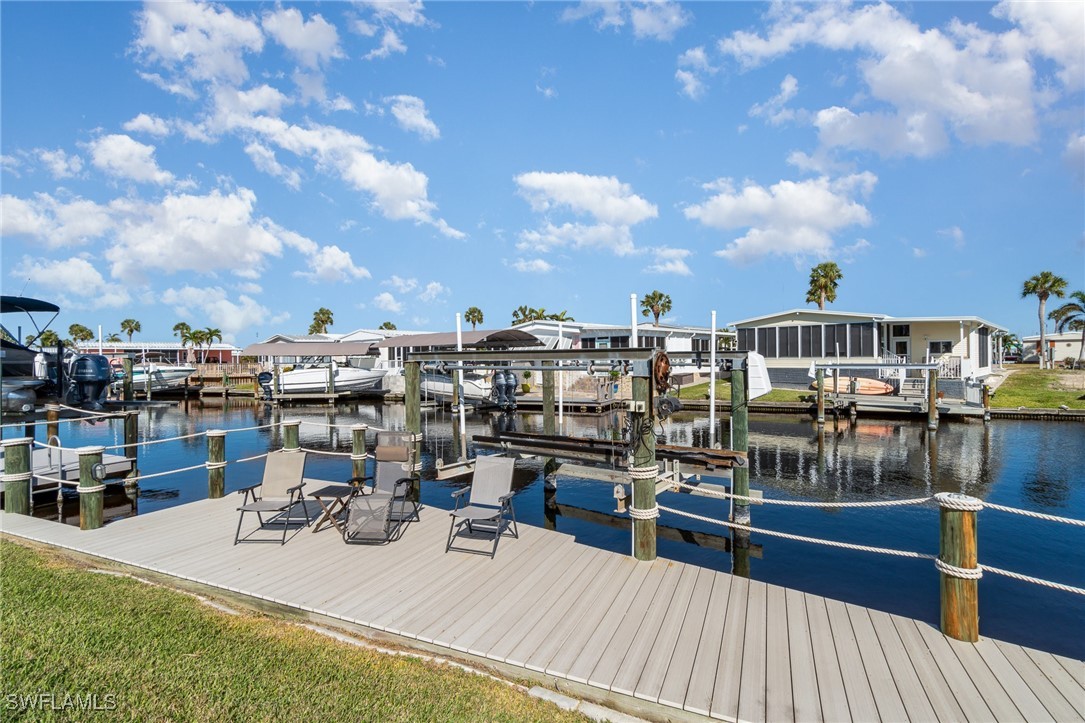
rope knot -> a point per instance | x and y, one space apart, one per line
965 573
957 501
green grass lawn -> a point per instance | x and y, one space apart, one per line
163 655
723 393
1034 388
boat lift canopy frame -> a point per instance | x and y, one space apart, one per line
633 361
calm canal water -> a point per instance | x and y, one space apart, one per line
1030 465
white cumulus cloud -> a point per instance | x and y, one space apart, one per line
264 159
403 286
410 113
386 302
789 218
214 303
150 124
124 157
433 291
670 261
59 163
313 42
532 266
53 222
331 264
72 282
655 19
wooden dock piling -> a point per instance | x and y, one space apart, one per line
216 463
740 442
291 429
357 450
959 571
91 490
549 427
131 444
52 421
127 393
932 399
17 475
644 458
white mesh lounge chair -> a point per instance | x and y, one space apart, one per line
278 495
489 505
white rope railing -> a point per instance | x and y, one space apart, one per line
803 503
90 413
327 452
1034 580
801 538
149 442
1036 515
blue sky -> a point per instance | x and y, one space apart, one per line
240 165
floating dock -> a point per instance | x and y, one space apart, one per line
660 639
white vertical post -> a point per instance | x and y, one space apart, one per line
561 382
712 386
634 340
99 338
463 402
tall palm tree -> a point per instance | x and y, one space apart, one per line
473 316
180 328
1043 286
521 315
387 326
198 337
80 333
824 279
211 335
130 327
113 338
48 339
322 319
657 304
190 337
1071 316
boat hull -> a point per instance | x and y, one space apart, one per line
476 390
856 385
315 380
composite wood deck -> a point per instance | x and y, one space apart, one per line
689 640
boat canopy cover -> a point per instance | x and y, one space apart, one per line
308 348
500 338
9 304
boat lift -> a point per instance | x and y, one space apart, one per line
650 372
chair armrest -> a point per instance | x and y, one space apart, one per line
403 482
460 492
358 481
250 488
295 488
503 499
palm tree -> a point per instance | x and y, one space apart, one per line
389 326
198 337
180 328
521 315
130 327
1044 285
48 339
113 337
189 337
824 279
322 319
562 315
473 316
1071 316
211 335
80 333
657 304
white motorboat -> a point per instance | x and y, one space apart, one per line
315 378
160 375
477 389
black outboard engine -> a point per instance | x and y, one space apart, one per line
499 388
511 382
88 378
264 379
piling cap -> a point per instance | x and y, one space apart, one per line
92 449
16 442
216 433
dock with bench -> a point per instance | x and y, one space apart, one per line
660 639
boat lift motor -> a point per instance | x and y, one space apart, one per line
511 382
499 388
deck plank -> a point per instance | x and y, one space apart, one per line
661 657
940 694
856 684
752 703
887 696
725 692
779 696
1015 686
702 678
1057 705
972 700
804 677
1060 676
834 701
913 694
679 671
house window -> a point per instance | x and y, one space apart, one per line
984 354
902 330
836 340
766 341
938 348
619 342
789 341
746 340
900 348
587 343
862 340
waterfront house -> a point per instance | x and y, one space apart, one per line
964 347
173 352
1060 347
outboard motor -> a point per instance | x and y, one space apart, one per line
499 388
511 381
88 378
264 379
